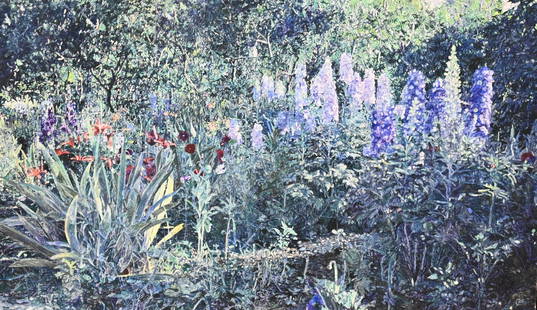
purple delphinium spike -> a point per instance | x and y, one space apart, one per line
301 88
355 92
436 105
383 121
48 126
234 131
346 73
369 89
413 100
71 117
324 91
480 111
257 137
384 92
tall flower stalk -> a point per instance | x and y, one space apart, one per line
257 137
413 101
324 93
48 126
383 127
368 95
479 116
451 124
435 106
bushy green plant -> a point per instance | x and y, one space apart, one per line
96 228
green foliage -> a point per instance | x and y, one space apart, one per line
104 216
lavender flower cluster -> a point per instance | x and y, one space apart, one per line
70 123
323 91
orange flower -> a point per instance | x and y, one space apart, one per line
61 152
36 172
70 142
80 158
100 128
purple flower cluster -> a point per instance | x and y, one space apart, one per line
413 99
436 105
323 91
383 127
368 95
346 73
48 126
355 92
70 123
480 111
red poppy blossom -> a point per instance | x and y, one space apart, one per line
183 135
61 152
190 148
225 140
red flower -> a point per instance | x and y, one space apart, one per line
150 171
528 156
70 143
100 128
225 140
148 160
197 171
61 152
190 148
151 137
219 155
183 135
36 172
